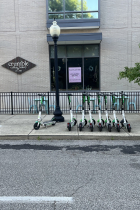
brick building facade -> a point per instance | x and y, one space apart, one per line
24 33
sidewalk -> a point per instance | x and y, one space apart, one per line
20 127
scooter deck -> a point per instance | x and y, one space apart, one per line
50 122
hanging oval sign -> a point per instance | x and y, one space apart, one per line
18 65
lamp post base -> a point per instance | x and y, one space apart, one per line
58 115
58 118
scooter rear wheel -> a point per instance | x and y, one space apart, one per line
129 128
118 128
69 127
36 126
100 128
109 128
91 128
80 127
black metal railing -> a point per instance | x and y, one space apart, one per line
28 103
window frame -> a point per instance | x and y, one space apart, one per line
74 23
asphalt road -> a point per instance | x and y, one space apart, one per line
97 175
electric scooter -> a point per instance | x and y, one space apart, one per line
83 121
124 121
72 121
107 121
100 122
115 121
91 120
39 120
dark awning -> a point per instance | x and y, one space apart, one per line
78 38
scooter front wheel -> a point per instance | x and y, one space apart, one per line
103 121
85 121
36 126
75 121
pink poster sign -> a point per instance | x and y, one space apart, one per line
74 74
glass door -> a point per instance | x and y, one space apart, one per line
91 73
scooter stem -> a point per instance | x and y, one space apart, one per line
83 115
39 116
107 116
71 115
90 115
115 116
123 116
100 115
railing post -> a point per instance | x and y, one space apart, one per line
12 102
123 104
48 104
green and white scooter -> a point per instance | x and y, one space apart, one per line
115 121
39 121
72 121
100 122
91 120
107 121
124 121
83 121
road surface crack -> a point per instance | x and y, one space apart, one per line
76 190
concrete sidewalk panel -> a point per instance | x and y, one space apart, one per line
17 125
4 118
134 120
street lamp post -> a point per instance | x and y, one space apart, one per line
55 32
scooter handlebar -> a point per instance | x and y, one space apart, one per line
113 94
99 94
88 95
103 94
85 94
41 94
123 93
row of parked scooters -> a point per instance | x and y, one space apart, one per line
100 123
91 123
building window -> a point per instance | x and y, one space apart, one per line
73 9
78 67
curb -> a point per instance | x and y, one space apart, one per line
68 137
